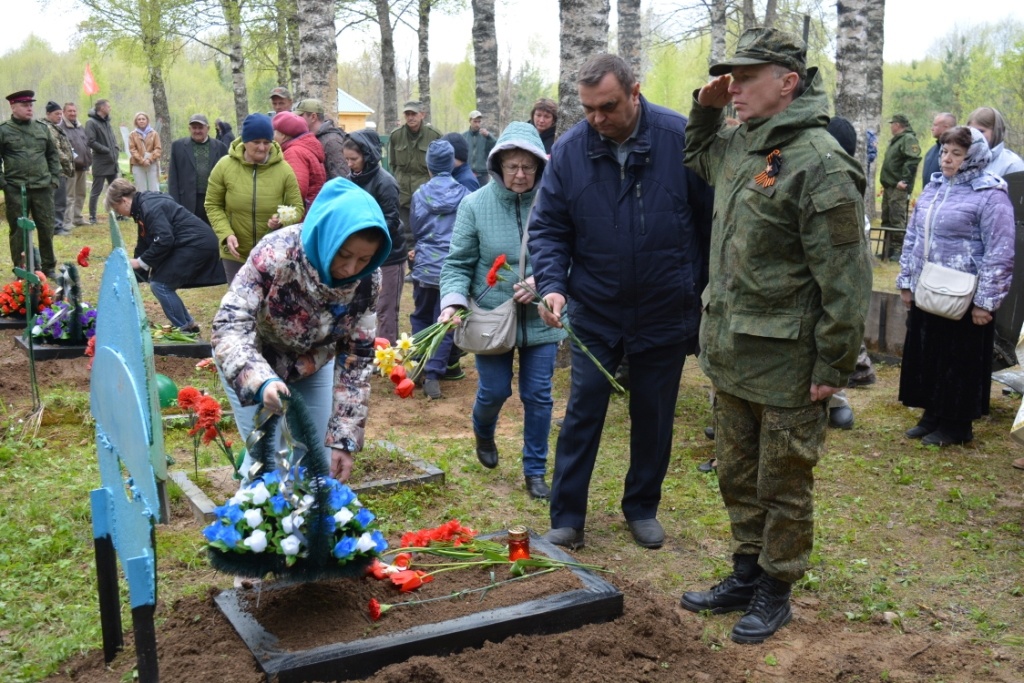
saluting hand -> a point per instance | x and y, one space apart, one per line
716 93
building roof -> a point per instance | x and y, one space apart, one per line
350 105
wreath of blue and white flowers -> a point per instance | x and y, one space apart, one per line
277 514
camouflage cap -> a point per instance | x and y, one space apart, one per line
900 119
413 106
310 106
280 92
766 46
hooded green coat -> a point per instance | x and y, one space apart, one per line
790 278
901 160
241 197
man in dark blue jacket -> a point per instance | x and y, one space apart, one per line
619 242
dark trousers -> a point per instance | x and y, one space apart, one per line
654 386
40 209
97 190
60 203
201 207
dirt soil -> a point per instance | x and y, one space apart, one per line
654 640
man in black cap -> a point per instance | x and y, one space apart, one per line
29 160
463 171
54 116
192 159
899 170
783 313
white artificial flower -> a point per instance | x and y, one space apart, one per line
307 500
37 331
290 545
365 543
343 516
257 541
253 517
260 494
292 523
241 496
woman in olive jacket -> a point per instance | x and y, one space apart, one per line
246 189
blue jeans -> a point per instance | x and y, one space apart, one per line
317 391
536 367
171 303
427 301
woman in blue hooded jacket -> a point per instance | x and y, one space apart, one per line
301 316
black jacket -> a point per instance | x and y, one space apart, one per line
384 188
181 170
180 249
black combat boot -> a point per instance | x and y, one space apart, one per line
768 612
731 595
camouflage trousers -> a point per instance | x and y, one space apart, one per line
766 458
40 208
894 215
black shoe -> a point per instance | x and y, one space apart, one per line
925 426
487 452
558 422
432 388
191 329
733 594
92 220
708 466
768 611
647 532
537 487
565 536
709 432
61 231
862 381
948 436
840 417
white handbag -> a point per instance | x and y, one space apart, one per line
942 291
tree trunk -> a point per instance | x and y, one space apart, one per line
318 54
718 31
233 20
423 33
151 21
281 36
749 18
161 110
770 13
583 32
629 35
387 64
859 75
292 18
485 54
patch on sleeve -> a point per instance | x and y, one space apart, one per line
843 226
915 150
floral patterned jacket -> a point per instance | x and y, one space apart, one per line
279 320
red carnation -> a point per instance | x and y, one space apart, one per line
187 397
492 274
83 257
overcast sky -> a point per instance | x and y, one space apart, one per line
911 28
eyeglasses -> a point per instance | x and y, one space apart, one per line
516 168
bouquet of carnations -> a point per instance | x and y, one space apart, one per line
293 519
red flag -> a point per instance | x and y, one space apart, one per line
89 83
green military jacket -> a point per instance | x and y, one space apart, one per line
28 155
64 151
901 160
790 278
407 158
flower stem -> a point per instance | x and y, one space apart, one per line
468 591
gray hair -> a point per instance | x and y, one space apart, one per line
118 190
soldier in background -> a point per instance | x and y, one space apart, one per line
788 238
29 159
54 116
407 156
899 171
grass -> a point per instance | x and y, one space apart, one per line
933 536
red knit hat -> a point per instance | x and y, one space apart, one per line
290 124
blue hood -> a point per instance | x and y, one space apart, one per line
341 209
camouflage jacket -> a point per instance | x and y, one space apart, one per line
28 155
901 160
790 278
64 151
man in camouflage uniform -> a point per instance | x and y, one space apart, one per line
784 311
54 116
407 158
899 170
29 159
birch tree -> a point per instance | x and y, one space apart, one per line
485 54
583 33
423 34
232 10
318 53
629 34
387 63
859 73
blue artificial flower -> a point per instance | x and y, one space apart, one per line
339 495
345 548
379 539
279 504
271 478
231 512
329 524
364 517
226 534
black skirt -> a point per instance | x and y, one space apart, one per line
947 365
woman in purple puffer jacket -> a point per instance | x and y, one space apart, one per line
947 364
